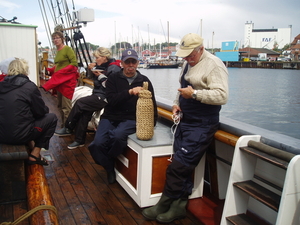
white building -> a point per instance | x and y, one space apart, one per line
266 38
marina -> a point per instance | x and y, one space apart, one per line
265 98
264 65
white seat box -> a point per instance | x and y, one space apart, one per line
141 169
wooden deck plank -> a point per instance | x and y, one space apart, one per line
94 195
260 193
19 209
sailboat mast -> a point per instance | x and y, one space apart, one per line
168 39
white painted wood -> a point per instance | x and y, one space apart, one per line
242 169
18 40
225 152
289 209
244 166
160 145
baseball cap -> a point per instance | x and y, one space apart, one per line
188 43
129 53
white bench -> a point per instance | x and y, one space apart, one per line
141 169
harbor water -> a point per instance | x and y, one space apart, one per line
266 98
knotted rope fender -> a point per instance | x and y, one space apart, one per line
29 213
145 114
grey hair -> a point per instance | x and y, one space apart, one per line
18 66
198 48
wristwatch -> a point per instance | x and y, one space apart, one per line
194 95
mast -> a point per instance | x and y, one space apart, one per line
148 39
69 24
168 40
115 41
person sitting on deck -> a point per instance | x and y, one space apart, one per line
119 117
204 88
25 119
84 107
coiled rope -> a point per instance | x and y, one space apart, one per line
176 120
29 213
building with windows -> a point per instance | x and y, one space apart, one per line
295 49
266 38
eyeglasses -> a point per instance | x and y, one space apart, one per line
130 61
56 38
191 56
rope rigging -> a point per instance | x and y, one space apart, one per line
66 22
176 120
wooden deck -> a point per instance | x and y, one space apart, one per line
82 195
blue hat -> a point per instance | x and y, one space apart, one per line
129 53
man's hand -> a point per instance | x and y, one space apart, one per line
186 92
175 109
135 91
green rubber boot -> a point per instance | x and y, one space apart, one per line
177 211
162 206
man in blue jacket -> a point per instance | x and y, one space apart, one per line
119 117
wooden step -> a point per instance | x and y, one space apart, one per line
266 157
246 219
260 193
241 219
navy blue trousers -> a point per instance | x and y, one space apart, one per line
191 141
110 141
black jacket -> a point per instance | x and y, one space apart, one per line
21 104
121 105
99 82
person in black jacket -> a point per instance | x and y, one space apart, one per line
25 119
84 108
119 117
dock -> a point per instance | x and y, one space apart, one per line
264 65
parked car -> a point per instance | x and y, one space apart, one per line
283 59
272 59
253 58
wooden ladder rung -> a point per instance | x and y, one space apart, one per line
260 193
241 219
266 157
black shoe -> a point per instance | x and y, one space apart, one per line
63 132
75 144
111 176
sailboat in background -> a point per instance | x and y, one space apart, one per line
165 63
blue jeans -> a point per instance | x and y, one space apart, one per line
110 141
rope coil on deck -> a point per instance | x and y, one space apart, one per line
29 213
286 156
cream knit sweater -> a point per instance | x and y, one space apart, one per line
210 78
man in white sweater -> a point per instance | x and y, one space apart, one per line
203 89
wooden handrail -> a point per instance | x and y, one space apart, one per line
38 193
220 135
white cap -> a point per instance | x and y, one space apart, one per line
188 43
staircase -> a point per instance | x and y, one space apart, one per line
264 185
